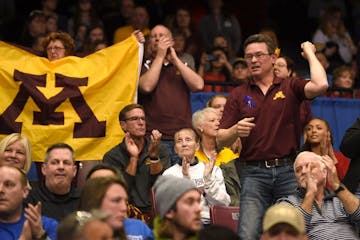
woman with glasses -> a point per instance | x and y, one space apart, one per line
58 45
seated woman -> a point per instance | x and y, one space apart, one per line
109 194
206 124
15 151
318 139
105 170
229 169
218 102
343 82
207 177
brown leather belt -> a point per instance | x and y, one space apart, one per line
271 163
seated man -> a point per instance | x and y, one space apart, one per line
328 214
207 177
139 159
283 221
16 222
178 203
56 193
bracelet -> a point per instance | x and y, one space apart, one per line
340 188
43 237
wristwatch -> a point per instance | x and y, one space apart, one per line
340 188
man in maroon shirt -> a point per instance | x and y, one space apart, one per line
165 85
264 113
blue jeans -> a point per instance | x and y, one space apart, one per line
260 188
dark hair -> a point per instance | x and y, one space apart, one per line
224 70
178 32
63 37
271 32
307 146
128 108
35 13
261 38
290 64
186 9
211 99
214 232
59 146
94 192
101 166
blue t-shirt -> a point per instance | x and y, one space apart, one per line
137 230
12 231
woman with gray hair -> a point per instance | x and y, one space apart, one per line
206 124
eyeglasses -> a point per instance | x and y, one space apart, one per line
55 48
258 55
135 118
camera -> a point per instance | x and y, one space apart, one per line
212 57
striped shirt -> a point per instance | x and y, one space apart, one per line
331 221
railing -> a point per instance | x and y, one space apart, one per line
226 85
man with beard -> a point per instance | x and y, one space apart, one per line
178 203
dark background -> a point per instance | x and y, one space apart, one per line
290 19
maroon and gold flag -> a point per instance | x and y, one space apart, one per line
72 100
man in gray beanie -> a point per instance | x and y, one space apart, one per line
178 204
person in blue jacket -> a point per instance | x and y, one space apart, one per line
17 222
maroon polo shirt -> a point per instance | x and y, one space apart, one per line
167 107
277 117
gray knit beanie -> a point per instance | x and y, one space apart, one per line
168 189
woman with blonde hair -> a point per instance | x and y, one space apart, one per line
15 151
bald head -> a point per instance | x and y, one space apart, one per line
157 33
309 166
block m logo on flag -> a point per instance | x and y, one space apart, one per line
88 127
73 100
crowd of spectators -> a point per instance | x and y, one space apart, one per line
220 148
210 51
